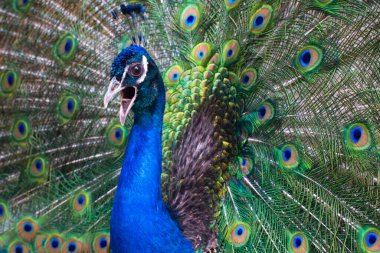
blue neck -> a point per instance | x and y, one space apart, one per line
140 221
141 172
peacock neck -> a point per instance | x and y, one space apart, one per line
140 178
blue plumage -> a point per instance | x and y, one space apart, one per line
258 22
356 134
305 58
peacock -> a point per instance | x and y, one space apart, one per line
189 126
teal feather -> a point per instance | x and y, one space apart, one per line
270 140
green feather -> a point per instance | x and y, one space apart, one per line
277 101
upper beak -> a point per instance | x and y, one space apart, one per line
113 88
127 97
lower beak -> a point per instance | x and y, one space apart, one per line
127 97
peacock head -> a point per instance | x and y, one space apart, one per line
134 76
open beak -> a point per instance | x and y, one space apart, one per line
127 97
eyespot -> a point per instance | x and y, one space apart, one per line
358 137
248 78
308 58
265 112
18 247
117 135
40 243
27 229
68 107
231 51
22 6
9 82
231 4
65 48
246 165
238 234
260 20
72 246
81 201
54 243
37 167
190 17
173 75
288 156
21 129
101 243
298 243
370 240
201 53
3 211
136 69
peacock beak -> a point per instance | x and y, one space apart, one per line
127 97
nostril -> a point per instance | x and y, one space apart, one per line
114 86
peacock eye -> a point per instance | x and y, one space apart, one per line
135 69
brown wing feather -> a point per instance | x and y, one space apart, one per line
195 184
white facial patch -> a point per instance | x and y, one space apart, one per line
125 73
145 70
